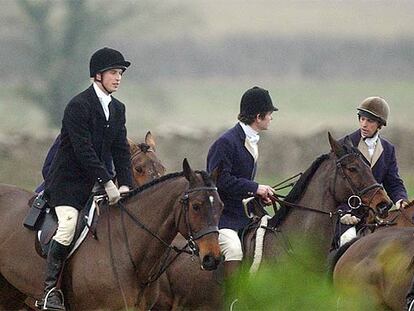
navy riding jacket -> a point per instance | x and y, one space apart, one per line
385 170
235 182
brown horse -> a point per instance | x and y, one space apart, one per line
145 164
331 179
381 264
111 273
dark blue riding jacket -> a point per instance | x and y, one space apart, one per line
235 182
385 169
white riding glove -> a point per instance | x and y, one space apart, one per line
123 189
348 219
112 192
401 204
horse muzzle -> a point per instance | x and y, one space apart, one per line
383 209
211 262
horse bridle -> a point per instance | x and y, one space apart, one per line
193 236
356 194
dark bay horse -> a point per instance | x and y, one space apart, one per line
331 179
110 273
381 264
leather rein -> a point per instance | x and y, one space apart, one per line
192 235
355 193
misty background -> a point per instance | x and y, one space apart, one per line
192 61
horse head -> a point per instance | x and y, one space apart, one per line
145 164
199 217
355 184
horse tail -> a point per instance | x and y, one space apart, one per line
334 256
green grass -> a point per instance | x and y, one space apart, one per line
218 18
305 105
192 106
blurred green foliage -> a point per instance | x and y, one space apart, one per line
294 282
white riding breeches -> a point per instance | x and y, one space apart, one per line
230 245
67 219
347 236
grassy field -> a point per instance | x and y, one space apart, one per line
208 19
197 105
305 106
194 108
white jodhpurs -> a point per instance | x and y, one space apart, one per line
67 219
347 236
230 245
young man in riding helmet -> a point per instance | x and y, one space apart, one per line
93 130
380 154
236 153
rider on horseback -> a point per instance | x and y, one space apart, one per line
236 152
380 154
93 129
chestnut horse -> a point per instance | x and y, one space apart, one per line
331 179
381 264
145 164
112 272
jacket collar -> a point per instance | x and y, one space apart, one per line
357 141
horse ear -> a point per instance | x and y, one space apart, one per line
150 140
188 172
348 141
216 172
133 147
335 146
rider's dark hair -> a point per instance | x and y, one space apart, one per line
249 119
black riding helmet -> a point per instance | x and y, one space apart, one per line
105 59
256 100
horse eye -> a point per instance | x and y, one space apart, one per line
352 169
139 169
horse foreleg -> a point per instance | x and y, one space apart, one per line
10 298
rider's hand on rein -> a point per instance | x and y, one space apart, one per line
401 204
113 193
349 219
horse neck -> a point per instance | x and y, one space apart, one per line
156 208
317 227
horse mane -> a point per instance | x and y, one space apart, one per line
204 175
297 191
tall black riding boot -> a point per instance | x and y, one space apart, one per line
409 299
52 297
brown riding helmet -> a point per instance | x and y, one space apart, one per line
375 108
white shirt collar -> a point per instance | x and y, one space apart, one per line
371 142
104 99
251 134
